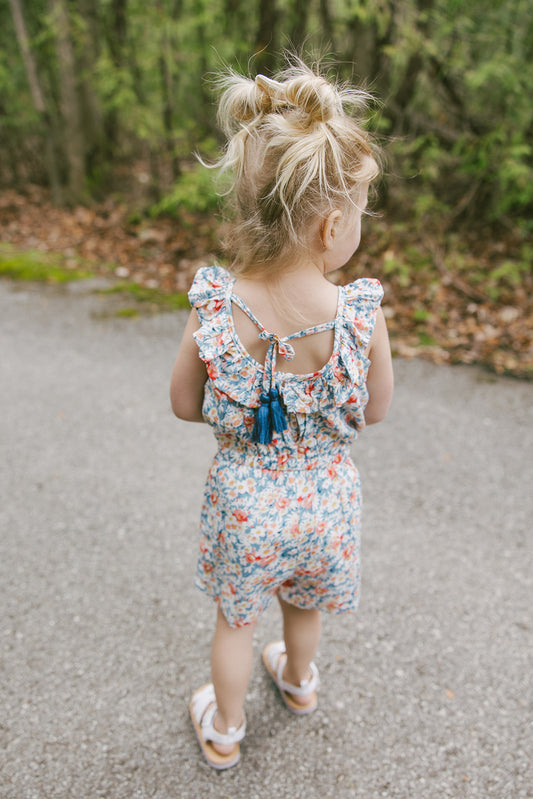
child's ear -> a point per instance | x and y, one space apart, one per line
330 227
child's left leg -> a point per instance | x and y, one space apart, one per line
231 668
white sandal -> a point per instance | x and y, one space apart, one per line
203 709
274 658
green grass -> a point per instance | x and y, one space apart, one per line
127 313
167 302
425 340
37 266
45 268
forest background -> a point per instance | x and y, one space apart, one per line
102 104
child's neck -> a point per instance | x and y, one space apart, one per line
300 293
292 273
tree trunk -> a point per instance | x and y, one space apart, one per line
74 140
98 157
327 25
168 105
365 48
38 100
232 11
116 37
299 13
118 30
266 42
400 102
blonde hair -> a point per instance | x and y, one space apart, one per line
293 152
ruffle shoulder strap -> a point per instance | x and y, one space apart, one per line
210 295
362 300
209 290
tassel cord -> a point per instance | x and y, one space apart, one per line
262 432
270 415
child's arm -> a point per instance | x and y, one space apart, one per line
188 376
380 379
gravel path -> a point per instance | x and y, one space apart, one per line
426 692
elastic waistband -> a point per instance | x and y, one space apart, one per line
267 456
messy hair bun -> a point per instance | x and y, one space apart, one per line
295 149
314 96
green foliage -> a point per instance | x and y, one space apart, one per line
509 274
406 264
397 266
455 80
461 133
421 314
194 192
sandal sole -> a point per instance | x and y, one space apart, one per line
213 758
294 707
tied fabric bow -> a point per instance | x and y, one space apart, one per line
270 415
285 349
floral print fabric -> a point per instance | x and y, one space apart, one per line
282 517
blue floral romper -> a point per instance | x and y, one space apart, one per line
282 517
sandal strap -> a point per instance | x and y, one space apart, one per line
205 710
306 686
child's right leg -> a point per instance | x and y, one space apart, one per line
301 633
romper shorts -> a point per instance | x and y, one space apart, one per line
292 529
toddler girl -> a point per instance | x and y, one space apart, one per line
286 367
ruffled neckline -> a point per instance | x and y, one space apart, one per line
238 375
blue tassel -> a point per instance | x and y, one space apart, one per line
262 432
279 422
